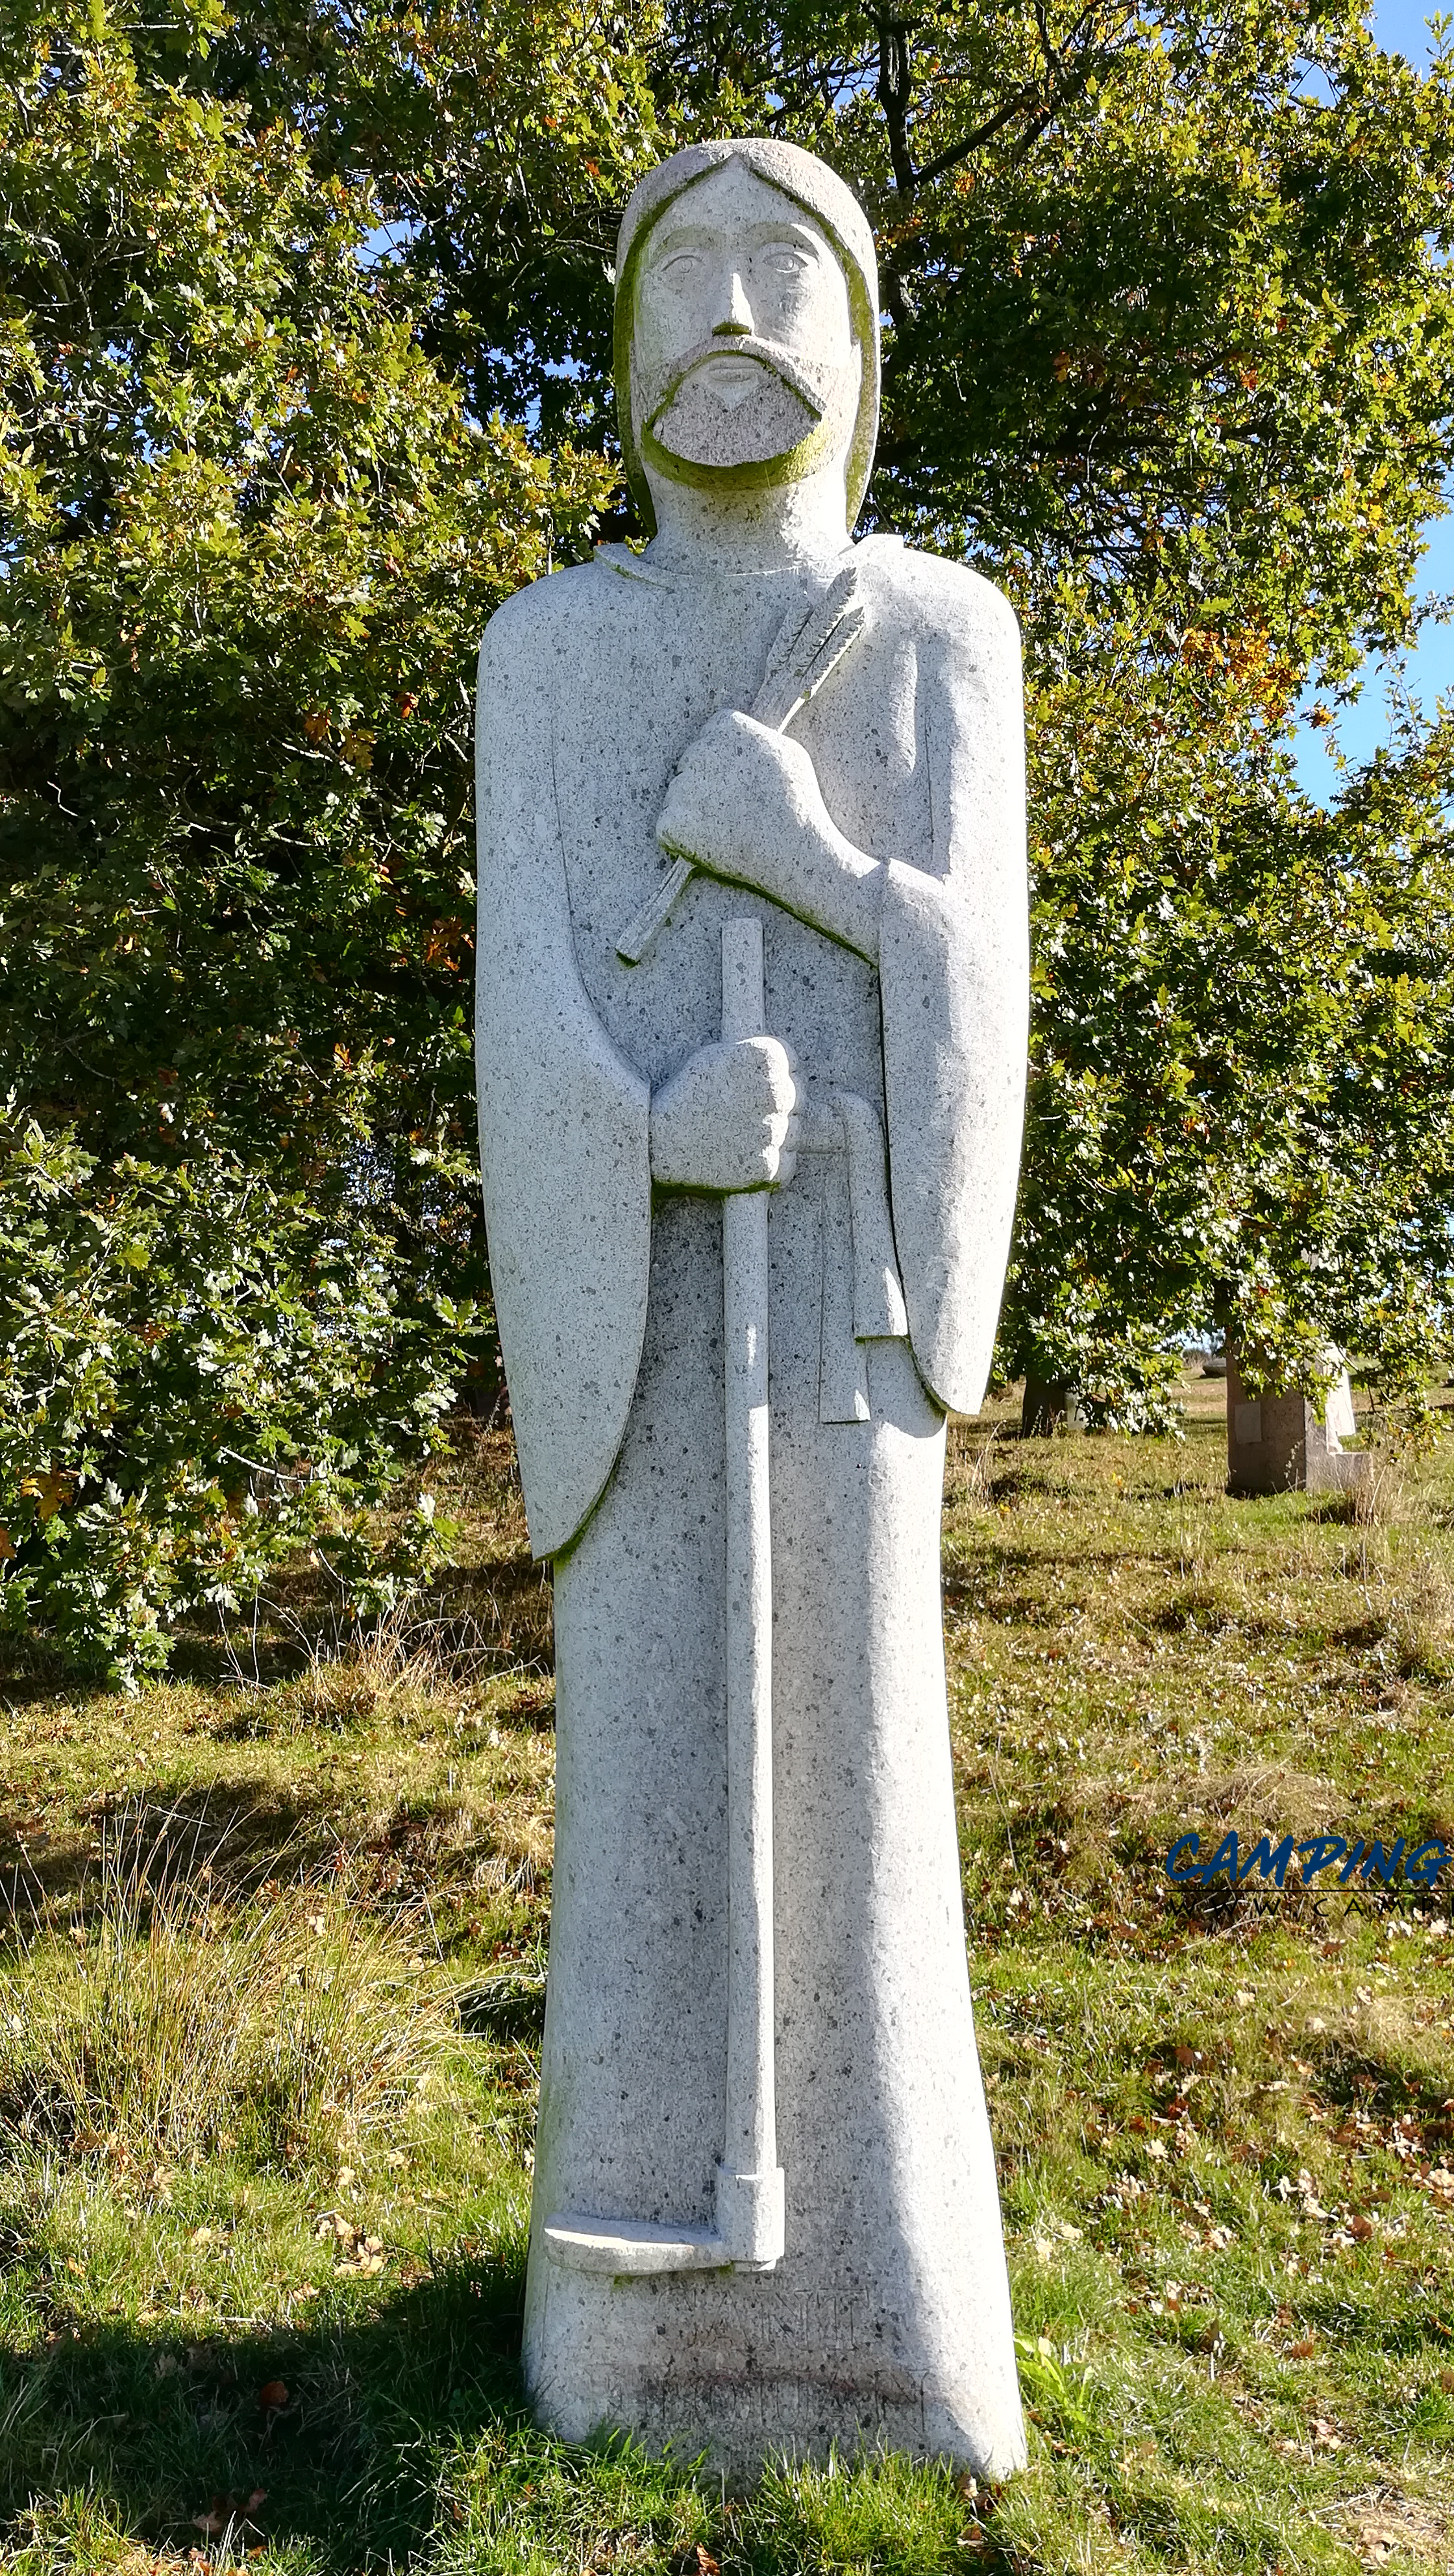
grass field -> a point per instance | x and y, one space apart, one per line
270 1985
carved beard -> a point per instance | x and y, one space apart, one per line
742 401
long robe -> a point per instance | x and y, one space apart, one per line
889 2313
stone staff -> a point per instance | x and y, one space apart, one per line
750 2197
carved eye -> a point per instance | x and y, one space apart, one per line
680 266
786 259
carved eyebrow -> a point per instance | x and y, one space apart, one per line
682 237
801 235
704 236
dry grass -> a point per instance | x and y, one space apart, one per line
1224 2137
1417 1613
172 2022
970 1474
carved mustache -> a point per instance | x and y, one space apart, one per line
813 385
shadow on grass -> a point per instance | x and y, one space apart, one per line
240 1835
403 2440
33 1671
475 1622
243 1834
164 2429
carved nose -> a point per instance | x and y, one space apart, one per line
738 317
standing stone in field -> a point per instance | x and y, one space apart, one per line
1049 1406
752 1019
1282 1442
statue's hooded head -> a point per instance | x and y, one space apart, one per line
746 324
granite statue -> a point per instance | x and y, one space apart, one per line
753 986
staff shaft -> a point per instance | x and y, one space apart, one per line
749 2181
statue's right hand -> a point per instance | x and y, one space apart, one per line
728 1120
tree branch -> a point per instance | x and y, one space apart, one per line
1042 98
1029 96
895 89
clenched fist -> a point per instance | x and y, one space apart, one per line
745 805
728 1120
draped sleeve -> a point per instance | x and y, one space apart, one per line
955 977
564 1118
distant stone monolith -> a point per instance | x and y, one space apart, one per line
1285 1442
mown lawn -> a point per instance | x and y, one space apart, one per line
270 1972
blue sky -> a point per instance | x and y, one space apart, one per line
1400 26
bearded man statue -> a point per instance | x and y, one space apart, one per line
754 719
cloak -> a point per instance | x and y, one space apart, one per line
592 684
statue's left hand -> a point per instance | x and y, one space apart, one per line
745 804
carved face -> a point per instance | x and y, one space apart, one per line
744 362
